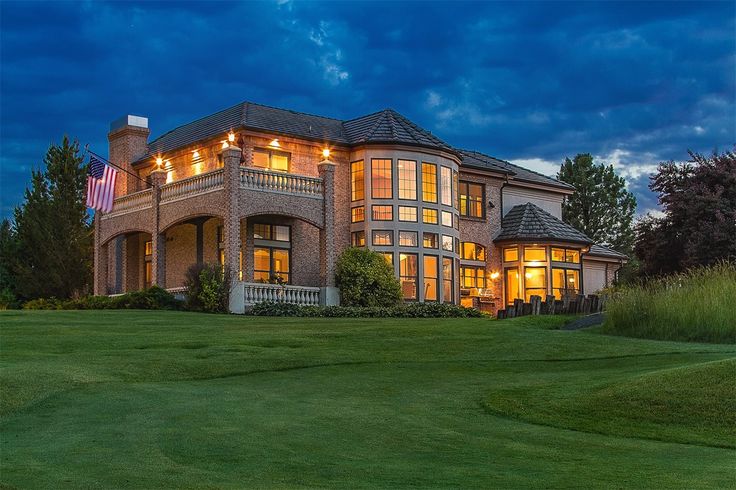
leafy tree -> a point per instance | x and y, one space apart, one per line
698 198
366 279
53 238
600 207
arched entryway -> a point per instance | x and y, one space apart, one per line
194 240
129 262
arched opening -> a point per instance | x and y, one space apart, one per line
196 240
129 262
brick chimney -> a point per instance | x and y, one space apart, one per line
128 141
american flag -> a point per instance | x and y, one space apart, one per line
100 185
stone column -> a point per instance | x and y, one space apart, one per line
100 260
327 248
231 224
158 239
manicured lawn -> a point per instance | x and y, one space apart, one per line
116 399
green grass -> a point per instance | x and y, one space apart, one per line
695 306
125 399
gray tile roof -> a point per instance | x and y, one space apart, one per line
478 160
388 126
253 116
603 251
528 222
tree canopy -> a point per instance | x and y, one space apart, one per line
601 206
698 227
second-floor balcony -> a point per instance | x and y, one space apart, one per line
250 179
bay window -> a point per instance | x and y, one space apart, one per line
430 277
381 178
429 182
408 275
407 179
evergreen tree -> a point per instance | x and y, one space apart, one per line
600 207
53 238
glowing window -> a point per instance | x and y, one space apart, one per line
472 251
408 275
408 239
357 214
533 254
430 216
408 213
357 182
430 240
382 213
407 179
446 186
383 237
357 238
429 182
431 274
381 178
511 254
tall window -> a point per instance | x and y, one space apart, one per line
430 216
472 251
565 281
471 200
408 275
447 290
271 264
429 182
512 285
535 282
357 182
472 277
271 159
407 179
446 186
271 254
381 178
431 274
382 213
455 195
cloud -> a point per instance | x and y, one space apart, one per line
545 167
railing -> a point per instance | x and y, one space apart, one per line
298 295
132 202
264 180
199 184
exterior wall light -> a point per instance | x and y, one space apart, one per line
195 154
231 137
275 143
159 161
326 153
494 275
224 144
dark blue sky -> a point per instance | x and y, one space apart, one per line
631 83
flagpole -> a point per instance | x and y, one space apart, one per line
86 148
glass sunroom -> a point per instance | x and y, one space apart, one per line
541 254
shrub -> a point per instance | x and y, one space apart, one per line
7 299
153 298
208 288
696 306
411 310
365 278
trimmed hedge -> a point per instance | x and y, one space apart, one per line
410 310
153 298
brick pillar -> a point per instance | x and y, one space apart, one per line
231 159
248 250
100 261
158 239
327 248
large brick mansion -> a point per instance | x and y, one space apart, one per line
277 195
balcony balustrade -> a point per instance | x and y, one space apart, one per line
130 203
297 295
264 180
192 186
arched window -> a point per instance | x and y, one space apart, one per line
472 251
